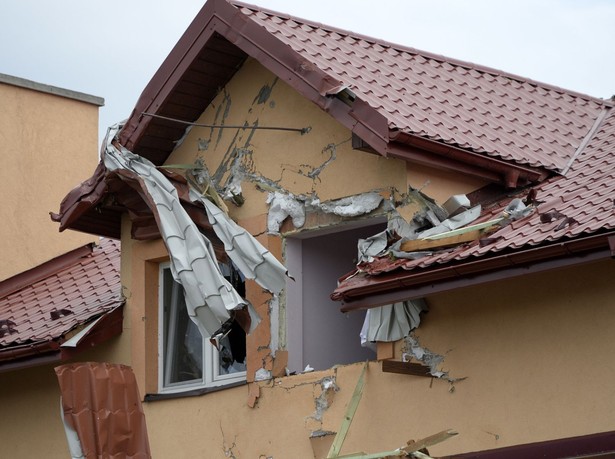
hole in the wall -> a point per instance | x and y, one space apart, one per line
318 334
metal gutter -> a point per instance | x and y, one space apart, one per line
394 287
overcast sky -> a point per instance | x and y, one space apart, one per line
112 48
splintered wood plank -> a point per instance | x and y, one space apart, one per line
454 237
423 244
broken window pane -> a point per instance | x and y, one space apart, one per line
188 360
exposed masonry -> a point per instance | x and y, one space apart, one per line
323 390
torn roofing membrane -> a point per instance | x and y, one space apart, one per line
209 296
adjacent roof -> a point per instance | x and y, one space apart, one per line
39 308
399 101
574 218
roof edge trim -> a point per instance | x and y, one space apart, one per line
509 174
53 90
398 287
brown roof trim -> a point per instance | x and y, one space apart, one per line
45 352
581 446
229 22
510 174
374 291
53 266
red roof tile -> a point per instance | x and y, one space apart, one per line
49 308
457 103
101 403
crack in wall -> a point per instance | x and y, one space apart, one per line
230 450
328 388
434 361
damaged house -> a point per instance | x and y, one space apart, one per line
467 213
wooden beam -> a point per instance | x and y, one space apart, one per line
406 368
350 411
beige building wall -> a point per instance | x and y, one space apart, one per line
527 350
49 140
319 163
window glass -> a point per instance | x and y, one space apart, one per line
187 360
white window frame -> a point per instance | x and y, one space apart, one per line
211 368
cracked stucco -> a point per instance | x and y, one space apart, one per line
412 348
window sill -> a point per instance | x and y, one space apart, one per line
192 392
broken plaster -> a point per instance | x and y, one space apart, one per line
284 205
414 350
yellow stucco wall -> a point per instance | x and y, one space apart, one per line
529 352
320 162
49 145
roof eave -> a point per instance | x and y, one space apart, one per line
430 152
47 352
398 286
224 19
